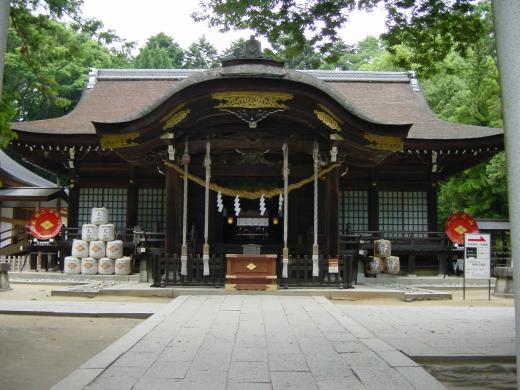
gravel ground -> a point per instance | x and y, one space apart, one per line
39 351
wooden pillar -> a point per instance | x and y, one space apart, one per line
173 211
131 203
432 209
333 217
73 210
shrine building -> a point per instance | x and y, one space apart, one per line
254 153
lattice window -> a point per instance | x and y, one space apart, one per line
403 211
353 210
114 199
151 209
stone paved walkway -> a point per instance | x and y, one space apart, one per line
249 342
440 331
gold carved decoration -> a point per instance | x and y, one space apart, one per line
117 141
251 99
175 118
384 142
327 120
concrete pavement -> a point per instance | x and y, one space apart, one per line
430 331
249 342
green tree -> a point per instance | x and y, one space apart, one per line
160 52
480 191
49 81
431 28
47 62
201 54
466 90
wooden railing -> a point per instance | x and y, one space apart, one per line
166 272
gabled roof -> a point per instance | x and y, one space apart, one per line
18 174
391 98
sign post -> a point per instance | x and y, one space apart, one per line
477 259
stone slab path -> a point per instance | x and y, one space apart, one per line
249 342
440 331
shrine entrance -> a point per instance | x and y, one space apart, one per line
252 154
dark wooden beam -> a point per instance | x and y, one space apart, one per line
131 204
332 185
173 211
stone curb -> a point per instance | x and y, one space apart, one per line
169 292
89 370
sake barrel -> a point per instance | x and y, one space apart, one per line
114 249
96 249
89 266
122 265
374 265
71 265
382 248
89 232
107 232
105 266
392 265
99 216
79 249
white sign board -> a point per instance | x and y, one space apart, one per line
477 256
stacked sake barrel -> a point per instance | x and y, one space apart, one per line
97 251
382 261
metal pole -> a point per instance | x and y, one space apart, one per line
4 24
507 29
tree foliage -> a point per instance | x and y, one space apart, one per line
47 62
431 28
160 52
49 81
466 90
201 54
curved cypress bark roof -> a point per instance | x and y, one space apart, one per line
388 98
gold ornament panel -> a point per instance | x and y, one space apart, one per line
117 141
175 118
327 120
252 99
385 142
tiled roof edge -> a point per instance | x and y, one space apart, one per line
178 74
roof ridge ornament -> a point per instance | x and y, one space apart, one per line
249 52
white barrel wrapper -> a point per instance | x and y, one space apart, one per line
79 249
114 249
123 265
89 266
89 232
107 232
99 216
96 249
71 265
105 266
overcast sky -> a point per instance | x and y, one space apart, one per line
138 20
